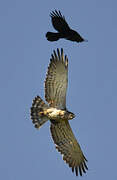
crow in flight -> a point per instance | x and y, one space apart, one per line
64 31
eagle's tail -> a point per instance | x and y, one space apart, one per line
37 115
52 36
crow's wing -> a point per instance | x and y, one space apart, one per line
59 22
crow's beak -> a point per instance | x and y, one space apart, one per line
85 40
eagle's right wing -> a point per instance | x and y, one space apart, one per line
56 80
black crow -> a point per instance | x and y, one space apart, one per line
64 31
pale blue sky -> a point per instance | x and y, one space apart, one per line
26 153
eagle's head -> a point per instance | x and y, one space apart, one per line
70 115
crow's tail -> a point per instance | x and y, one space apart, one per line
52 36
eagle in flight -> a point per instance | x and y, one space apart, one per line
55 94
64 31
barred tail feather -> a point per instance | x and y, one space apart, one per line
52 36
38 105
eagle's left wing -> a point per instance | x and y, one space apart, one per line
68 146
